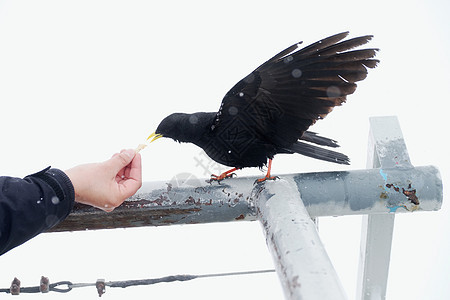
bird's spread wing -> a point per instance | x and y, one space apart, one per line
284 96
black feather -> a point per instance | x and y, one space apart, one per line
271 109
319 153
313 137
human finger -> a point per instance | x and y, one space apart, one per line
121 160
133 179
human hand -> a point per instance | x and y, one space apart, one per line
107 184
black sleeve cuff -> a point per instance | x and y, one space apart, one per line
65 194
33 205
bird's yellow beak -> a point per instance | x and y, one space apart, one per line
154 136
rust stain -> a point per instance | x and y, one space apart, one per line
122 218
389 185
190 200
240 217
409 192
160 200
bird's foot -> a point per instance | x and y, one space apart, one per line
220 177
267 177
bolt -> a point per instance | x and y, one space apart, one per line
43 286
100 285
15 287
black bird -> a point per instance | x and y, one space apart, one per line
270 110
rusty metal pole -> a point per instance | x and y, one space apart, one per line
169 203
358 192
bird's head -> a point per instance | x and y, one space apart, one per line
182 127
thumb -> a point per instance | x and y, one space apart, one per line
122 159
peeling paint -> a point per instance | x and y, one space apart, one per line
409 192
393 209
390 185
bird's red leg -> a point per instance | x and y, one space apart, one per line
222 176
267 177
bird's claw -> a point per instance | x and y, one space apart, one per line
262 180
220 177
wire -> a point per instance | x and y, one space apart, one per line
102 284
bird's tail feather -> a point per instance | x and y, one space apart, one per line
312 137
319 153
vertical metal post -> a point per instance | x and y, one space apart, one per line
302 263
386 150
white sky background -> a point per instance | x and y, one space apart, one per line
80 80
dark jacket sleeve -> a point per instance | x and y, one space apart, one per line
32 205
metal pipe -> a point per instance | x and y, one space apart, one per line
324 194
169 203
386 150
372 191
301 261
